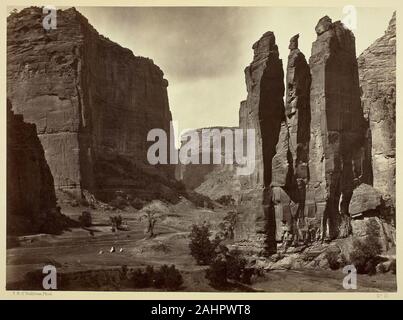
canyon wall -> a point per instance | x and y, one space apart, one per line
262 111
377 72
93 102
217 178
337 144
31 200
313 153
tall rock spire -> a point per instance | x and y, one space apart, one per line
263 111
337 142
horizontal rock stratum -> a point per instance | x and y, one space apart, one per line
93 102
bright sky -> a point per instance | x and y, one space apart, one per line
204 51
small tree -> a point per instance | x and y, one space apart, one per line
217 273
173 278
201 247
116 221
151 221
228 225
228 266
85 219
165 278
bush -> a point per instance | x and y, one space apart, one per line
199 199
137 203
201 247
116 221
364 253
226 200
172 279
217 274
228 225
119 203
228 267
165 278
138 279
85 219
236 268
334 259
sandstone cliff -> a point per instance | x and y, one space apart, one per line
31 200
263 111
312 153
208 179
93 103
377 72
337 144
214 180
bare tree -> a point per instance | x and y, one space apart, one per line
151 221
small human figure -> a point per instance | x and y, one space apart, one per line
285 234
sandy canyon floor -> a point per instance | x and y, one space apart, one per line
79 250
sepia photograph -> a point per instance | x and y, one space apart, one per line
201 149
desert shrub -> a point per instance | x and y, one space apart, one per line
137 203
228 225
148 276
138 279
226 200
201 247
116 221
365 251
217 274
228 266
199 199
172 279
85 219
119 203
165 278
334 259
124 272
236 268
381 268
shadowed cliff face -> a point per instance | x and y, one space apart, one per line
337 143
313 153
93 102
377 71
263 111
31 196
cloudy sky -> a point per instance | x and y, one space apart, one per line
204 51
